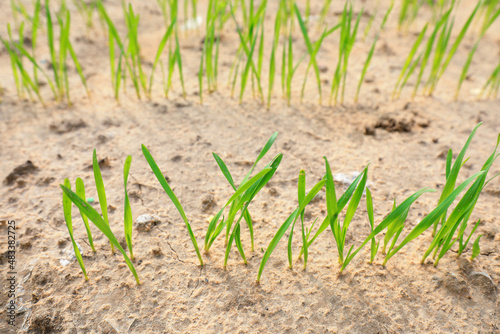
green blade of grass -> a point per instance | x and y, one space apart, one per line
69 224
173 198
370 54
453 174
409 61
161 46
475 248
310 49
127 211
100 191
369 208
80 191
301 195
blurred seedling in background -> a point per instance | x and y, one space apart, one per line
348 32
129 60
370 53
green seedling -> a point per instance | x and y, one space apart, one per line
312 50
458 219
394 230
216 17
101 192
395 215
462 245
410 64
432 217
341 203
241 196
278 22
239 202
86 10
324 12
492 85
59 59
301 194
248 43
229 178
289 221
372 18
465 70
443 22
129 60
370 53
438 66
80 191
98 221
174 53
369 208
452 173
475 248
22 78
133 51
127 210
347 39
246 199
408 13
340 230
161 178
159 52
69 224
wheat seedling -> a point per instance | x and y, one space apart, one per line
370 53
163 182
492 84
340 230
438 68
289 221
347 39
394 216
409 65
98 221
127 210
80 191
458 219
69 224
369 208
465 70
101 192
313 50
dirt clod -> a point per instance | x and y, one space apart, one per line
46 323
208 203
22 170
144 223
66 126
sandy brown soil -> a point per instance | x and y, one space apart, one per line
178 296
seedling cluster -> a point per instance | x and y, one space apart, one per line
295 27
447 229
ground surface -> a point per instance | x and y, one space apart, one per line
405 141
